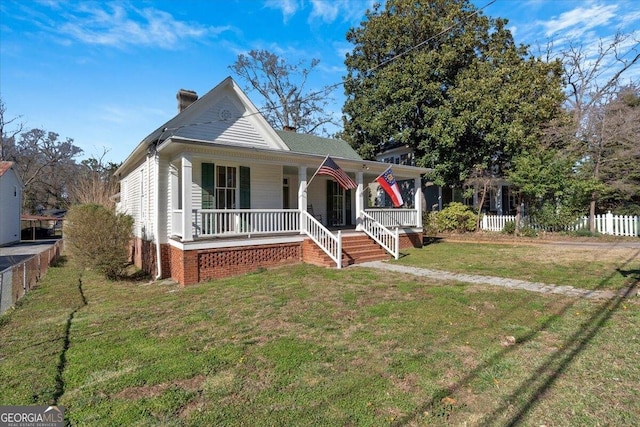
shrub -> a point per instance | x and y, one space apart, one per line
584 232
528 231
98 238
509 227
456 217
430 223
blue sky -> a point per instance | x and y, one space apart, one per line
106 73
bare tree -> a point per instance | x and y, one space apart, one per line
287 102
482 181
95 182
46 166
620 151
594 81
7 137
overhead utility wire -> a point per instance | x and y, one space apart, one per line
335 85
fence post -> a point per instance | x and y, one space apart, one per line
484 222
608 226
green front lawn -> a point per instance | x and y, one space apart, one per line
304 345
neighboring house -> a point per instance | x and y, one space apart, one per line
217 191
10 203
500 199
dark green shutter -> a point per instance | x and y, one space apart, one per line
245 187
347 205
208 186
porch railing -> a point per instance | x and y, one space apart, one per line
395 217
389 240
222 222
330 243
238 222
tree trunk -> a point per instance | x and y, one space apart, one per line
480 205
592 214
518 216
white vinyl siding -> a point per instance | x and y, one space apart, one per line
266 186
10 207
223 123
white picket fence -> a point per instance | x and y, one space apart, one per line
616 225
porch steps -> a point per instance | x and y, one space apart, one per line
356 248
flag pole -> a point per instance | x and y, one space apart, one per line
314 175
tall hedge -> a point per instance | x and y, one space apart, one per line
99 238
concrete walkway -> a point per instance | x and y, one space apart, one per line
494 281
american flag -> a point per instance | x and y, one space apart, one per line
329 167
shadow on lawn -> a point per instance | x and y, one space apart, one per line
543 378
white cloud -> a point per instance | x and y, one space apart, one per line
288 7
122 25
347 10
325 10
630 19
580 20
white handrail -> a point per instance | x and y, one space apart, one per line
239 222
394 217
389 240
330 243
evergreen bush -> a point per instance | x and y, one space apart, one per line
99 238
456 217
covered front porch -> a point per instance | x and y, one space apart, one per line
217 195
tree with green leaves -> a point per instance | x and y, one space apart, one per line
551 186
449 82
288 104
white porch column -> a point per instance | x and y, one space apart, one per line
359 199
187 179
417 185
302 194
173 184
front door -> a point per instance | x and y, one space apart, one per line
338 205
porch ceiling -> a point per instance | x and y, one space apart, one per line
176 147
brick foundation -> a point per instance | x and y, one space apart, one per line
411 240
143 256
199 265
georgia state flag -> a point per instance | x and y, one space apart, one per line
391 187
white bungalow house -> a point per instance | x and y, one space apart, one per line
10 203
216 191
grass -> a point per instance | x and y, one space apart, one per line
309 346
610 268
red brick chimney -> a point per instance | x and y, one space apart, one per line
185 98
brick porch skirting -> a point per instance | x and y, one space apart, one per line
199 265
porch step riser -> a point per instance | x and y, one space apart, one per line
355 250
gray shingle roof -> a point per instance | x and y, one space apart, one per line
311 144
